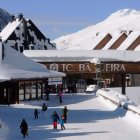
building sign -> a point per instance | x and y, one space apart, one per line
54 66
74 68
55 81
113 68
90 68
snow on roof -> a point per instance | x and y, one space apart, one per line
9 72
14 32
112 41
82 44
129 40
16 66
137 48
124 20
8 30
83 55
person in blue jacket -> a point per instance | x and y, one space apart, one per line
55 118
62 122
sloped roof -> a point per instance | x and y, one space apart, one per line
23 32
8 72
129 40
8 30
103 42
137 48
98 39
17 66
115 37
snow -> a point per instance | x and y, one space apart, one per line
129 40
137 48
118 22
16 27
8 30
92 43
130 92
16 66
112 41
89 117
82 55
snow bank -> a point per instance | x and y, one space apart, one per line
132 114
120 100
3 129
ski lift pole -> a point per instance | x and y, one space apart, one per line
98 65
98 74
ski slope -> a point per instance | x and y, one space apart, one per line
89 117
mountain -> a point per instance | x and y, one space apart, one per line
5 17
126 20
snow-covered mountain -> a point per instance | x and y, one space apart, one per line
5 17
126 20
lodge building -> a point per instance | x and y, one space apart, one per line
115 67
118 55
20 77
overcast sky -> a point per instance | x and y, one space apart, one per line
56 18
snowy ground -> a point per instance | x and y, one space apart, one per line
89 117
131 92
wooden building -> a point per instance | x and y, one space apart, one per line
118 55
115 66
20 77
22 34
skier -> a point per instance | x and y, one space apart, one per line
62 122
65 113
47 93
44 107
24 128
36 112
55 118
60 97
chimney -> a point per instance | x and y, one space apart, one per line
20 16
130 31
12 18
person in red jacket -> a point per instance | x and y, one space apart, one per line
55 118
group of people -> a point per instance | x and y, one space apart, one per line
24 125
55 118
63 119
44 109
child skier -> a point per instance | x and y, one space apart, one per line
62 122
36 112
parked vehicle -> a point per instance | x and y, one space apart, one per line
91 89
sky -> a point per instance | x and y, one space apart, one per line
89 116
56 18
